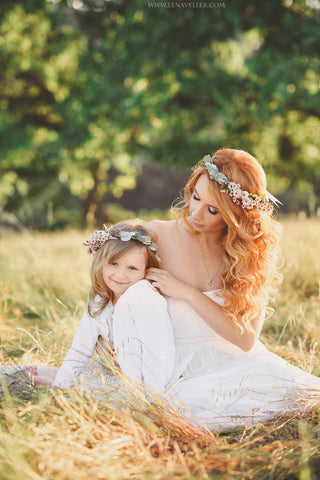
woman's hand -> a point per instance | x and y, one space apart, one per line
168 284
209 310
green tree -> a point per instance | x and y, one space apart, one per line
105 82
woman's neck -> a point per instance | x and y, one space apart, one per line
210 239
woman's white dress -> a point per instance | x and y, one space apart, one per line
221 386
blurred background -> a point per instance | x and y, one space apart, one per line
106 105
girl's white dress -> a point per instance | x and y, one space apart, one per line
134 336
137 330
221 386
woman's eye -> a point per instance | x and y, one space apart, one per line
194 196
213 211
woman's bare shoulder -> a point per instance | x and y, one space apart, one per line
160 226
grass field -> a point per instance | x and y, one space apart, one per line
44 282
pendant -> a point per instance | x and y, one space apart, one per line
210 282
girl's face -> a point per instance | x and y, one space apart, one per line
125 271
205 217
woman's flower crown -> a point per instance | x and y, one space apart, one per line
240 197
99 237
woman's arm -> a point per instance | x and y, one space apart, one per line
206 308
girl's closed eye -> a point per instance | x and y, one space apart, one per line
113 263
132 267
194 196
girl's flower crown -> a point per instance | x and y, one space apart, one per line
240 197
99 237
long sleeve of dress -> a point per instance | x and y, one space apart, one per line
81 350
143 336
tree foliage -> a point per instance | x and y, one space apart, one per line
88 86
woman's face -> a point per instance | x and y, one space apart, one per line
205 217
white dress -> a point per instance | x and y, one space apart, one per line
135 336
220 386
138 330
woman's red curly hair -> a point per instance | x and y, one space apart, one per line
250 241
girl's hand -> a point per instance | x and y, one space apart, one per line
167 283
42 381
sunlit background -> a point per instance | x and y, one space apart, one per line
105 105
104 108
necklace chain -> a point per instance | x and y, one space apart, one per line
206 267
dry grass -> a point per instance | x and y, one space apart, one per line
44 282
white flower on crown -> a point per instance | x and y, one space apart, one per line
244 195
235 189
247 203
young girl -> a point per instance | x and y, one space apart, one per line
126 323
125 311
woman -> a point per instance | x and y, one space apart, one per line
218 270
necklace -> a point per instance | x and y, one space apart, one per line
205 265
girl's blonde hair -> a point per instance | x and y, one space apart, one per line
112 250
250 240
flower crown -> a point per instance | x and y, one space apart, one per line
240 197
99 237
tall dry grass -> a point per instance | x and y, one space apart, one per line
44 283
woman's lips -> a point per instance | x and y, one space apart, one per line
197 225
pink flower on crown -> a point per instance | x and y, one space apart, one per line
97 239
265 207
